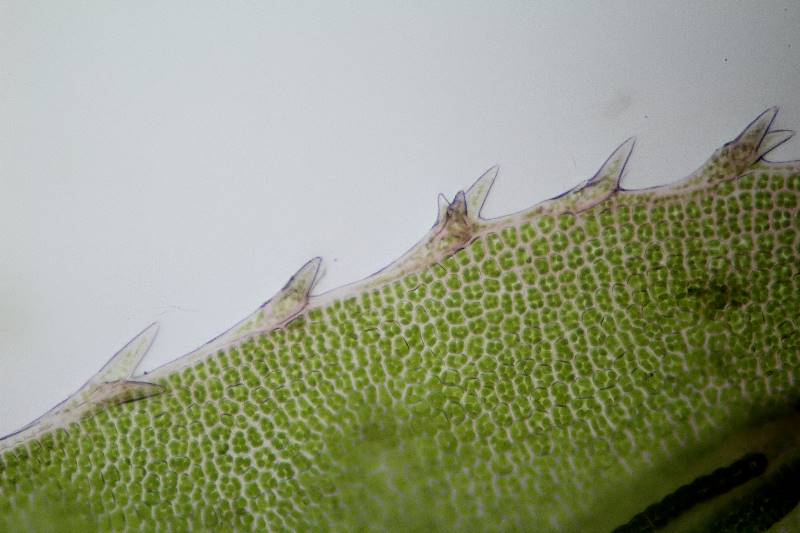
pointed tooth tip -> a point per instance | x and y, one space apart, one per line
487 178
625 148
311 264
623 151
773 110
124 362
769 114
148 333
762 122
314 262
476 195
310 269
618 157
304 278
313 268
492 171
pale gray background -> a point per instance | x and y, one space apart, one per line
177 161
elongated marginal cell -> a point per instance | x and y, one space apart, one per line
556 369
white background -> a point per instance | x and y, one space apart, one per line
178 161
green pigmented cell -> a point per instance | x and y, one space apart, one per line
604 355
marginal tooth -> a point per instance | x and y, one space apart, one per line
110 386
772 140
120 391
291 299
610 174
123 364
597 189
736 157
110 383
303 281
477 193
749 140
